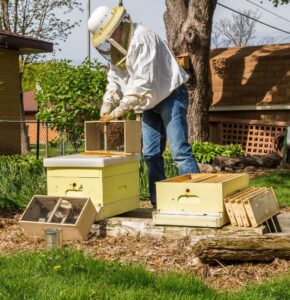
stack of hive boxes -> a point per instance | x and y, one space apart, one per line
106 175
199 200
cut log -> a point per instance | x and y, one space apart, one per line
247 249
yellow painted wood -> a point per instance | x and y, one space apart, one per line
186 220
93 172
114 189
202 196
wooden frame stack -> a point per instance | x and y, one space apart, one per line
252 207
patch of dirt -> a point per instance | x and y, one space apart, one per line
156 254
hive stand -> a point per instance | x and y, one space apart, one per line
74 216
196 199
120 136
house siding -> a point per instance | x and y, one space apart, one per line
10 135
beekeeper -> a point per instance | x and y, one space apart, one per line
144 76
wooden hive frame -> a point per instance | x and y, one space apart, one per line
74 216
116 136
252 207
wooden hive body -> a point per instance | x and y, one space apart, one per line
113 188
120 136
74 216
196 199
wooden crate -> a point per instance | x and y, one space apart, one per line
252 207
196 199
121 136
74 216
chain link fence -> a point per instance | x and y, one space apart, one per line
33 138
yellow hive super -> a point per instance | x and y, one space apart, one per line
196 199
112 183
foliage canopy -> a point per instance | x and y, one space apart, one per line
69 95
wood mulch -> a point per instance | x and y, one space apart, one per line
156 254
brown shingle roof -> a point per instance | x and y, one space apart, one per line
23 44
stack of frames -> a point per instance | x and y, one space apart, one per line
253 207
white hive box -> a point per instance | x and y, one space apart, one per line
111 182
196 199
120 136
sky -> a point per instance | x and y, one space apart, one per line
150 13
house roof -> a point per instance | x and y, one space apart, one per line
24 44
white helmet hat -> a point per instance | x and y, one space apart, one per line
103 23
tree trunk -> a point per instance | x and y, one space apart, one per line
188 25
261 248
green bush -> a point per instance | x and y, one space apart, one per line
205 152
21 177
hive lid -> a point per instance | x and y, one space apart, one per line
89 161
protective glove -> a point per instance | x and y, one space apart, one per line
128 102
118 112
106 119
106 109
110 102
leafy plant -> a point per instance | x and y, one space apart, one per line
21 178
205 152
69 95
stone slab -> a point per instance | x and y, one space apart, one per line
139 223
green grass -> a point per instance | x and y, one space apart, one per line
68 274
280 181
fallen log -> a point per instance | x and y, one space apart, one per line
247 249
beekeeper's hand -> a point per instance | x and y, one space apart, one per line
110 102
106 118
127 103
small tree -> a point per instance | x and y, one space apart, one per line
238 31
69 95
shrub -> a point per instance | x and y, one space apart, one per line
21 177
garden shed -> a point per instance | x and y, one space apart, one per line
11 46
251 100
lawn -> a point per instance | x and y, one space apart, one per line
280 181
69 274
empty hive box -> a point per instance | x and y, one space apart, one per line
111 182
196 199
74 216
121 136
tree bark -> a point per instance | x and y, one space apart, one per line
188 25
261 248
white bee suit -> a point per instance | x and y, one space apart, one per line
150 76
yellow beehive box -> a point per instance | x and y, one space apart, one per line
196 199
74 216
111 182
198 192
122 136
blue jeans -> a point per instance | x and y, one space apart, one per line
167 119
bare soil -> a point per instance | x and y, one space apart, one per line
155 254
